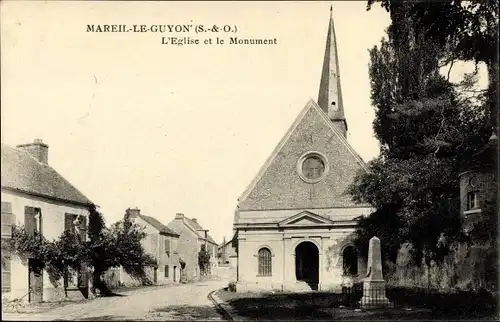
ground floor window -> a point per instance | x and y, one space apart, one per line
166 271
264 256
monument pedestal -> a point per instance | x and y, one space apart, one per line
374 294
374 283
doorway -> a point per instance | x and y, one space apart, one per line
35 281
307 264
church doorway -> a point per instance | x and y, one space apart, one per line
307 264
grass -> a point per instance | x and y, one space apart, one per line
320 306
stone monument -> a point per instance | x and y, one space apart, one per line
374 283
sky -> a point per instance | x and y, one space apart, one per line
132 122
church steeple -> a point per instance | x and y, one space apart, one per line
330 91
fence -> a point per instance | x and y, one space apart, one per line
458 302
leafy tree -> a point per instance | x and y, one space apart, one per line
203 260
120 245
427 130
468 30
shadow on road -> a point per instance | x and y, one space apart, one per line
186 312
103 318
112 295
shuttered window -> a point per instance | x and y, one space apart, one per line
7 219
264 257
32 220
83 228
167 245
6 279
69 221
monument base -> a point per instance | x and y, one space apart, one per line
374 295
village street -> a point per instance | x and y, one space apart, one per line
170 302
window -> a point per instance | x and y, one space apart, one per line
312 167
77 224
350 261
264 256
166 271
7 219
472 200
167 245
6 280
32 220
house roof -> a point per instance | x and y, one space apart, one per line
23 173
158 225
196 226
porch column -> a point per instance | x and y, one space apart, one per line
288 261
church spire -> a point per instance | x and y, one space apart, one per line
330 91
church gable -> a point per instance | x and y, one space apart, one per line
305 218
311 167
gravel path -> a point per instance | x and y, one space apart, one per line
171 302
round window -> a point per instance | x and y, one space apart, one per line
312 167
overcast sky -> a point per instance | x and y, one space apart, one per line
131 122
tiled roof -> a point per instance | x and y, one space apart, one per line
158 225
22 172
196 226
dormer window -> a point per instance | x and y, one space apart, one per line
472 200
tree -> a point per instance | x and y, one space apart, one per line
427 130
468 30
120 245
203 260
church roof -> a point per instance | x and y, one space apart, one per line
22 172
330 88
278 186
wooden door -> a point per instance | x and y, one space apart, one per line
35 282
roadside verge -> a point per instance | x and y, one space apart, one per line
222 307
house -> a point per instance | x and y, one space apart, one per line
479 210
295 223
37 196
227 253
478 184
161 242
192 237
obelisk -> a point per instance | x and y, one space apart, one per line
374 283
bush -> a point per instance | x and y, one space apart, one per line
231 287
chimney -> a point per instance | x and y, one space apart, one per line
133 212
179 216
37 149
195 220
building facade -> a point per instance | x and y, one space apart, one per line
295 222
227 253
36 196
192 237
479 185
160 242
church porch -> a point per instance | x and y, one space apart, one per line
297 260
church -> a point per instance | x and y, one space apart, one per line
294 223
